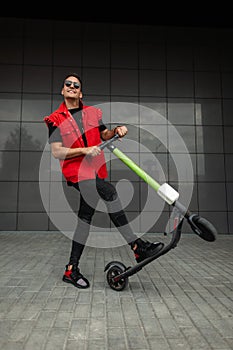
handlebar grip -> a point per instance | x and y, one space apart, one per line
106 143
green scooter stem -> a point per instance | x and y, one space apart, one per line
140 172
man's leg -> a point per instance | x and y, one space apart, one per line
142 249
117 215
85 214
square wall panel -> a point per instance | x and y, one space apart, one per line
63 198
182 167
212 197
37 79
210 167
207 84
179 57
152 56
9 166
152 83
32 222
153 110
124 111
181 111
34 46
124 55
96 81
30 197
96 54
154 138
30 166
34 136
124 82
206 57
9 136
208 111
8 221
8 74
181 139
13 50
35 107
153 222
180 84
67 52
209 139
10 107
9 196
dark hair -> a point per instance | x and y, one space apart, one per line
72 75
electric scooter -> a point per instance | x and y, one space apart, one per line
116 272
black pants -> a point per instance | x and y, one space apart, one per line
91 191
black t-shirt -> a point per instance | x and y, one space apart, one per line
54 131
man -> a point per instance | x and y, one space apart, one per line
75 131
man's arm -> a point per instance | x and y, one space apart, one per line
108 134
61 152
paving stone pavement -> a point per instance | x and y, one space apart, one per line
181 301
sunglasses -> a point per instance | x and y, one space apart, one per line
68 83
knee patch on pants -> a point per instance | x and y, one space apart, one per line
110 193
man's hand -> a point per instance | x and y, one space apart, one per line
92 151
121 130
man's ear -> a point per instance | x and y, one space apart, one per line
62 92
81 95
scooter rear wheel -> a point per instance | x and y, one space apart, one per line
120 284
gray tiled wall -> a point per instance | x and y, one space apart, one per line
157 80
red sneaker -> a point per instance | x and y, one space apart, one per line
75 277
146 249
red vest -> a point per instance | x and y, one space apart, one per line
81 167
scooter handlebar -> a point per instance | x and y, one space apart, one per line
108 142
